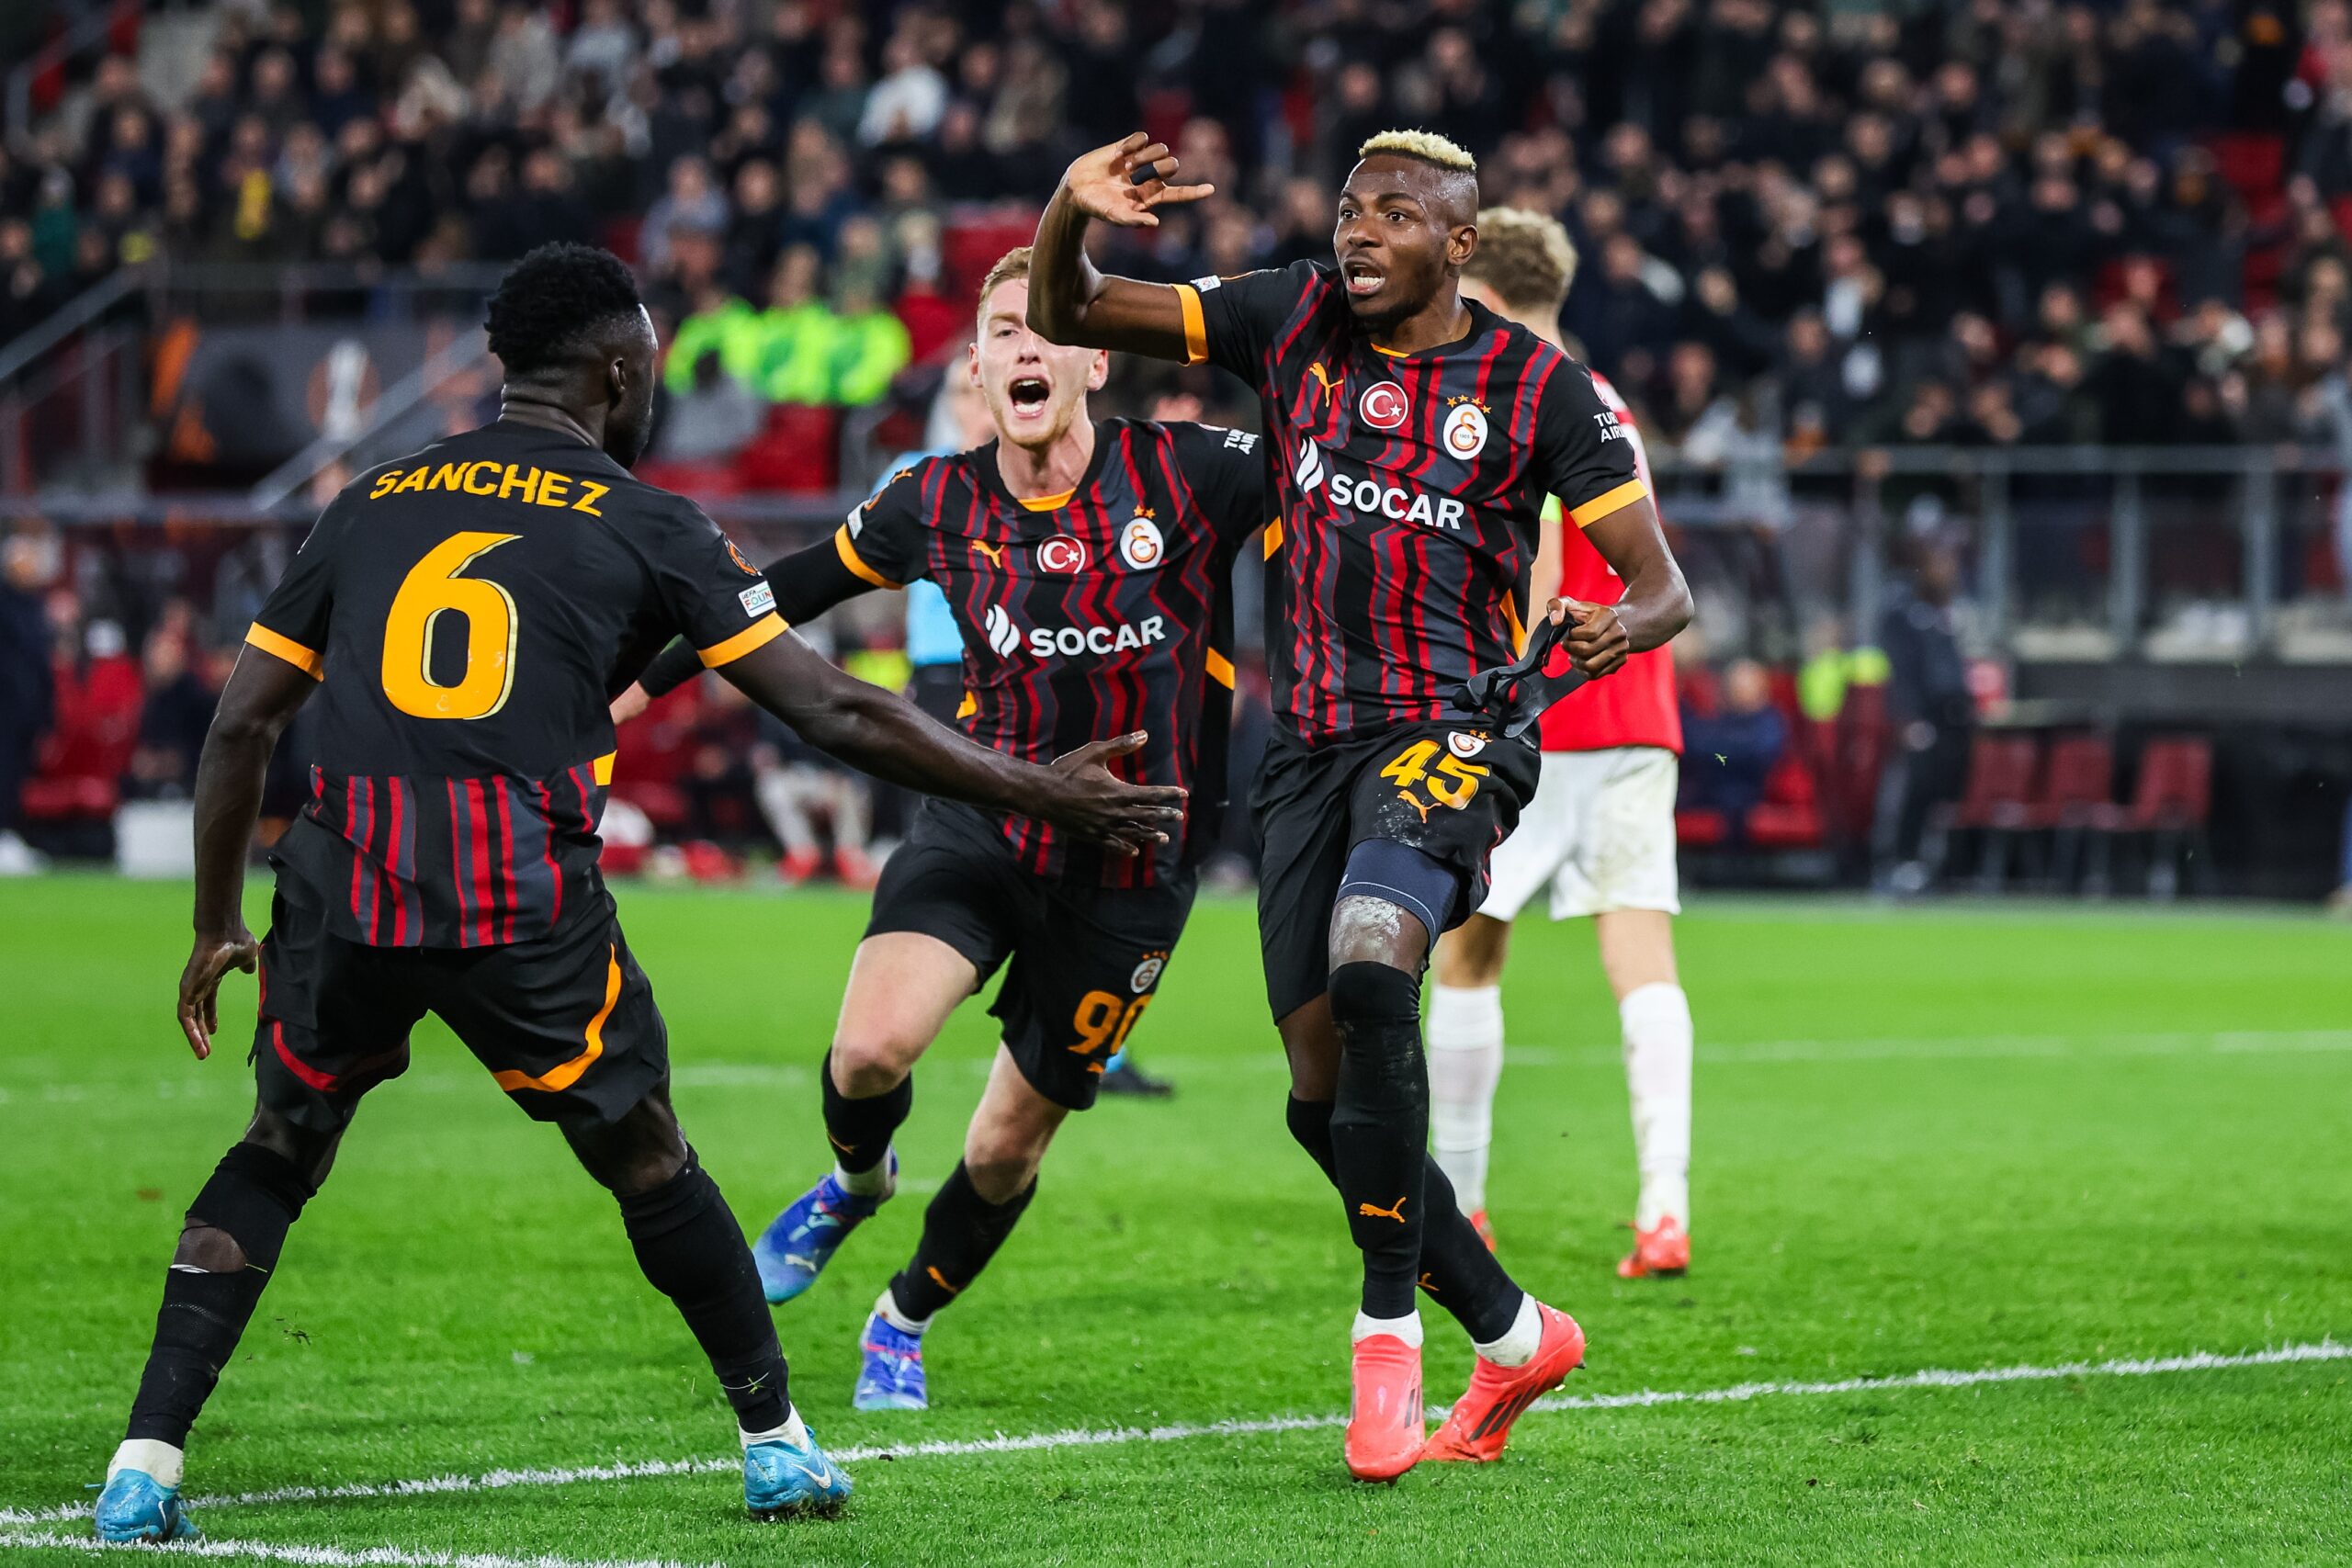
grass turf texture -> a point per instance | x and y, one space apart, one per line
1954 1138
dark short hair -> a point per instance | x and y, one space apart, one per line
553 301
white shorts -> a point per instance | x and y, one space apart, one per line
1600 831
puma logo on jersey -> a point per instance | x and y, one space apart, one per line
1375 1212
995 553
1329 383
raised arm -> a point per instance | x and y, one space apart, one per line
1069 300
884 735
263 692
1657 601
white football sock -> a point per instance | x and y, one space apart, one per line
878 1181
1657 1020
792 1431
155 1457
1465 1050
887 1305
1407 1329
1520 1340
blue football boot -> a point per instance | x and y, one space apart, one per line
891 1376
135 1506
782 1481
794 1249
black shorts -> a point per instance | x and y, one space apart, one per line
1451 791
565 1023
1085 960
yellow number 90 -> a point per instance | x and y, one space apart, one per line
431 587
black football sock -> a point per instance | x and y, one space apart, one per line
860 1129
1380 1124
1457 1270
1310 1124
253 1198
961 1231
693 1252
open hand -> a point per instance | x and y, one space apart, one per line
1597 642
211 958
1123 183
1091 802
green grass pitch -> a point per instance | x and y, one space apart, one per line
1960 1139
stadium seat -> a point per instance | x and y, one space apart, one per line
799 451
2170 801
1993 804
654 753
1788 817
1701 828
2076 787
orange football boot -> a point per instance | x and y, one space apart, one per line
1479 1424
1385 1429
1485 1227
1664 1249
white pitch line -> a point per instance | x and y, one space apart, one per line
316 1556
1103 1436
1712 1053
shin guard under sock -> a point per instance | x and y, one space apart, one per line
860 1129
961 1231
1380 1123
253 1198
693 1252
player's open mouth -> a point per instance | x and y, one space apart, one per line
1029 395
1363 279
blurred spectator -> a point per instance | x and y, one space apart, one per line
173 717
712 419
1733 749
29 565
1928 701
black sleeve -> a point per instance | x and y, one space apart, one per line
1582 453
294 619
1232 321
1226 470
808 583
887 541
717 599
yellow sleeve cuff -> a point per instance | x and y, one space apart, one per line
856 562
757 635
1196 327
1601 505
307 660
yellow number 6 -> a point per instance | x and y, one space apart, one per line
431 587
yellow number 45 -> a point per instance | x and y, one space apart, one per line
1454 784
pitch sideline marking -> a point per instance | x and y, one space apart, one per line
2327 1349
313 1556
1731 1053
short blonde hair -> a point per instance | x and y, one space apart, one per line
1013 263
1523 256
1427 146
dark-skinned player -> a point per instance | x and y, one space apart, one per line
465 616
1413 436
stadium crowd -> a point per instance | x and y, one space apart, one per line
1997 221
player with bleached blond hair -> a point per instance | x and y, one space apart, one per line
1413 436
1599 833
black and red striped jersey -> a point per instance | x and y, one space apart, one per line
1086 615
470 611
1409 491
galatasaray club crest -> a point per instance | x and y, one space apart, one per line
1140 545
1384 405
1465 435
1463 745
